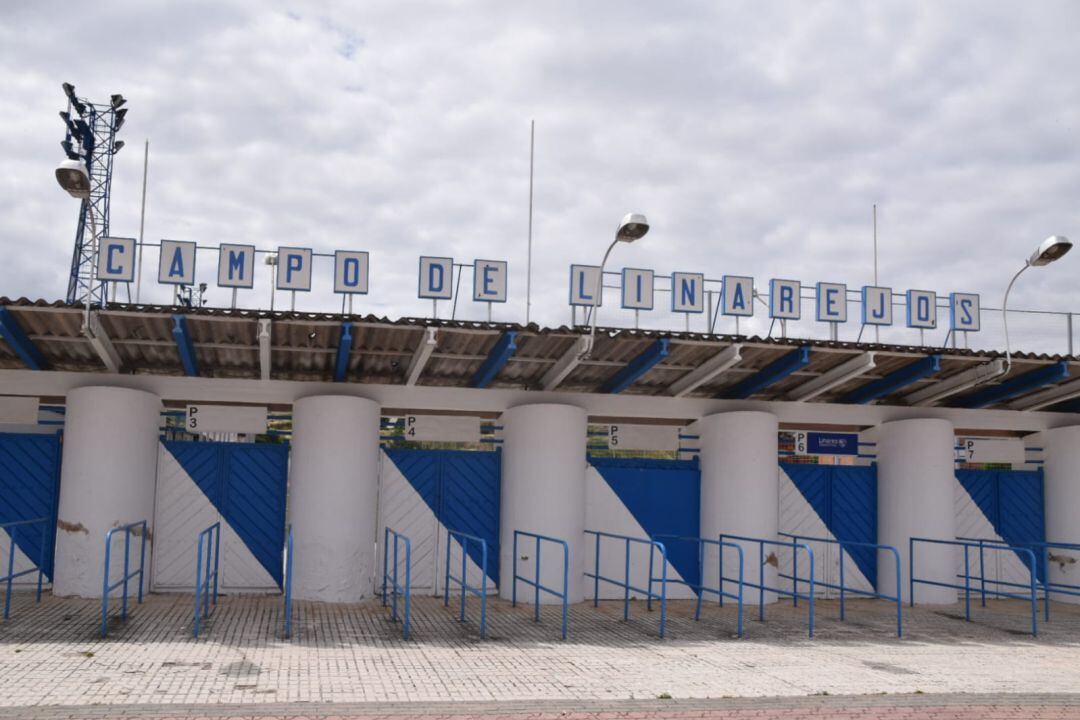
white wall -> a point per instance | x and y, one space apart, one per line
107 480
543 492
1061 454
916 498
740 492
333 495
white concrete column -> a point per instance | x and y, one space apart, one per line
543 492
107 479
1061 486
333 497
917 498
740 492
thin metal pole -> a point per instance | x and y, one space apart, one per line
528 257
142 220
877 330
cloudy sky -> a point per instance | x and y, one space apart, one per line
756 136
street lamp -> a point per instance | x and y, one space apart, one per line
1049 250
633 227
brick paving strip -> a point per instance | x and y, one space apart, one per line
889 707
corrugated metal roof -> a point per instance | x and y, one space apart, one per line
305 345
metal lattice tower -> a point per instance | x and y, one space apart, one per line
91 138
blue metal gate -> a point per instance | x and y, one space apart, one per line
461 488
664 496
845 499
1013 503
30 488
241 484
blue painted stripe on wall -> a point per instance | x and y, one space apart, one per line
664 496
246 483
29 489
462 489
1013 502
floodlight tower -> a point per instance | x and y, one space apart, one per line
90 139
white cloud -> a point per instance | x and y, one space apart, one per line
756 136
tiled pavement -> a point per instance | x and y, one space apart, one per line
352 658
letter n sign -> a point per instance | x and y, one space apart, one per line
687 292
436 278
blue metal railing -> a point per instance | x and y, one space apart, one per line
288 581
535 582
1044 549
629 541
390 572
763 588
701 589
13 530
844 588
967 577
128 530
206 572
480 592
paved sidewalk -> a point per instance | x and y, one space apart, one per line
51 656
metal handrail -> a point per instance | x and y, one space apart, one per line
653 546
481 592
966 587
395 587
701 588
762 587
535 583
844 588
211 536
288 581
106 588
12 528
1044 548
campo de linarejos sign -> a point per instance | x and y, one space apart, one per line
435 281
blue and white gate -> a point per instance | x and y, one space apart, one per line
644 497
1006 506
240 485
835 502
422 493
29 489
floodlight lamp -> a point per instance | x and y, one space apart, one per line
72 176
120 115
79 107
117 146
633 227
1050 250
69 90
69 150
117 100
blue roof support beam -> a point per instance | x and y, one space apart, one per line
771 374
185 346
636 367
17 340
341 366
1015 387
894 381
496 359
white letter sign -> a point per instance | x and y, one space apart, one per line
116 259
294 269
964 312
236 266
737 296
489 281
637 289
583 282
436 278
876 305
351 272
687 292
831 302
176 265
921 309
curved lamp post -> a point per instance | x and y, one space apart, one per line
633 227
1049 250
